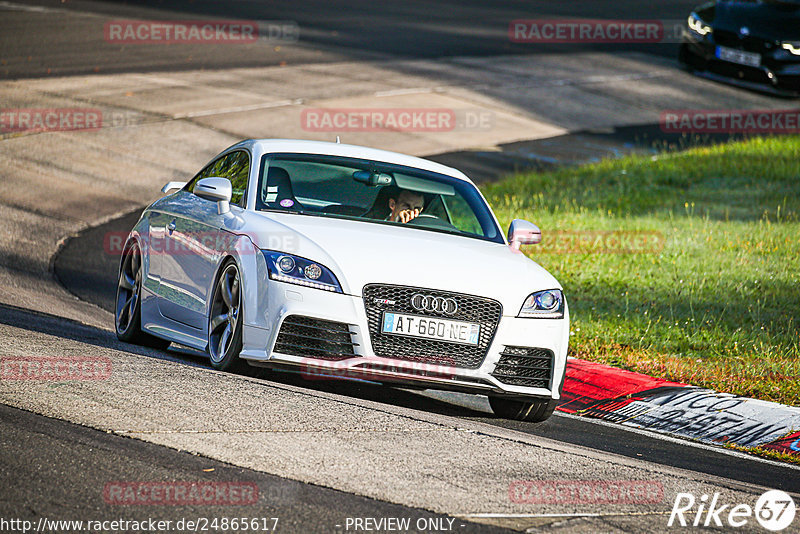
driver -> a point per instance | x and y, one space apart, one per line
404 205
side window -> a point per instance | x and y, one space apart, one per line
205 173
237 171
461 215
235 166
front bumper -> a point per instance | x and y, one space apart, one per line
779 72
290 301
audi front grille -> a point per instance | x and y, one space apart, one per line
379 298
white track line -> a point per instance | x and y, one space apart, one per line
13 6
237 109
576 514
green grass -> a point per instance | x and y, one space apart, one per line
717 302
766 453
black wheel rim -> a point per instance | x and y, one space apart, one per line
224 314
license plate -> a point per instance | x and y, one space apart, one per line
751 59
430 328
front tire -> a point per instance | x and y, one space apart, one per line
128 309
225 321
533 411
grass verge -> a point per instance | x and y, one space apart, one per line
684 265
766 453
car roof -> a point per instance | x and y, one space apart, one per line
267 146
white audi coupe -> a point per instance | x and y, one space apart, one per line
340 261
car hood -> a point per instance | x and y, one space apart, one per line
769 20
361 253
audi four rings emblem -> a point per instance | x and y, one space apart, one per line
430 303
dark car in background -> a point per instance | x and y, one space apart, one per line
753 44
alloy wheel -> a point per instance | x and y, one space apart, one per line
225 309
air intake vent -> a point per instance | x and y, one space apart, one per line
315 338
525 366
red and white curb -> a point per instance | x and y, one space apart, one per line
641 401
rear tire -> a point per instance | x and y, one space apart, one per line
225 321
533 411
128 309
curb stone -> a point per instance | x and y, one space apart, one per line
641 401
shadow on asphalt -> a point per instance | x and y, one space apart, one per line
431 29
352 30
56 326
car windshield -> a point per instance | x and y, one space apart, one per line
382 193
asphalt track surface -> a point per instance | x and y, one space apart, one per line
60 470
34 45
87 267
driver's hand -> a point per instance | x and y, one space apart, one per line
406 215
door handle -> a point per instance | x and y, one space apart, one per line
171 226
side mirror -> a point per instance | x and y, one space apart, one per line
523 233
217 190
172 186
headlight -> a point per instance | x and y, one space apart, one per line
547 304
296 270
697 25
792 46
